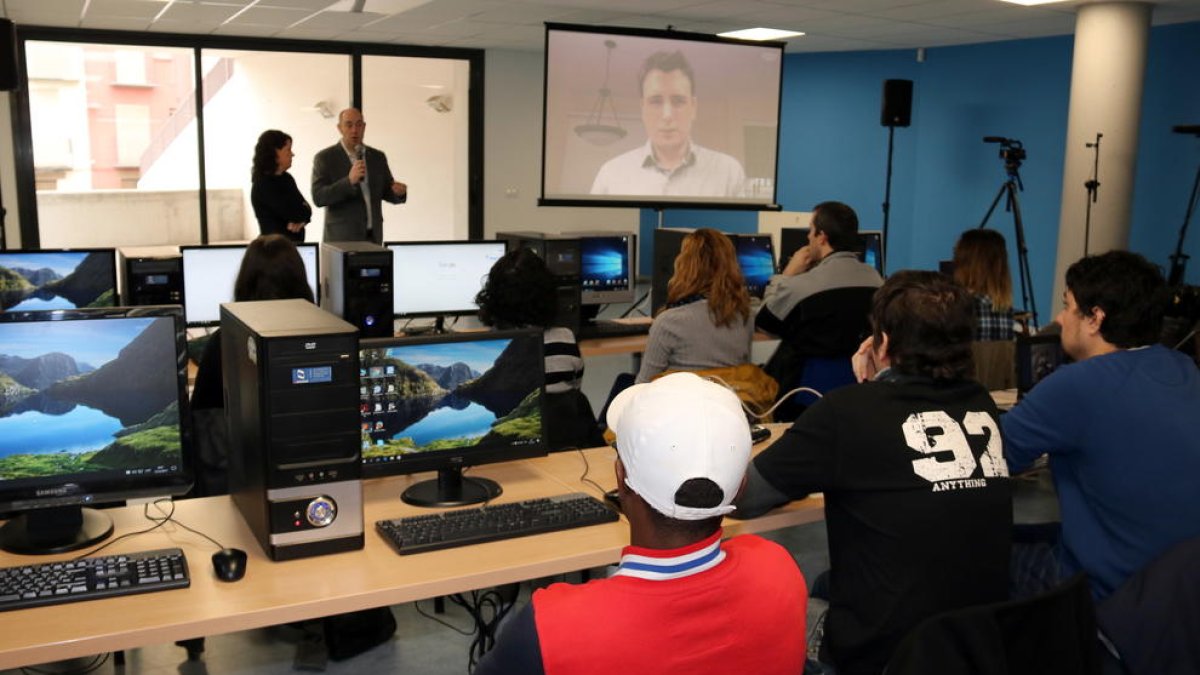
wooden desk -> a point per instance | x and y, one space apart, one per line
280 592
1005 398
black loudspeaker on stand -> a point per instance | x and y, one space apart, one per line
897 103
896 111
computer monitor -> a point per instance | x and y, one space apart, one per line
791 239
870 244
606 269
440 278
756 257
93 410
34 280
1037 357
209 273
450 401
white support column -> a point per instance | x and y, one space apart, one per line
1107 76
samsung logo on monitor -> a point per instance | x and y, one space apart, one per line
59 490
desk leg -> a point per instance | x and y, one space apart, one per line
194 647
439 604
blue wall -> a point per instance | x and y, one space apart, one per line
1167 162
944 177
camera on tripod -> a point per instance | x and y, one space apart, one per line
1011 151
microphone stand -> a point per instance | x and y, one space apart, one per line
1092 186
1179 258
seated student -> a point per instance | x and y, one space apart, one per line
918 504
706 322
271 270
682 600
1120 425
818 304
518 293
981 267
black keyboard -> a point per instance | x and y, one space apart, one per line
417 534
92 578
610 328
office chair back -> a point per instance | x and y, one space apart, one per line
1051 634
1153 619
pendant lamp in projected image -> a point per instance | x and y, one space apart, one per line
596 131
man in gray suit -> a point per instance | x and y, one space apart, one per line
351 181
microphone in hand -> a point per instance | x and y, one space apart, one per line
360 167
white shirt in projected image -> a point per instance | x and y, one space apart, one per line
705 173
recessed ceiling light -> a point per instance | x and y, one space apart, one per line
760 34
1030 3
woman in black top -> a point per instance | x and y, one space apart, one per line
271 270
278 204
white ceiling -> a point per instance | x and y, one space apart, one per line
830 25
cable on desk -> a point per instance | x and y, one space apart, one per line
159 521
754 413
587 468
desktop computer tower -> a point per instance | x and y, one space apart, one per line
150 276
563 260
534 241
291 381
562 257
356 284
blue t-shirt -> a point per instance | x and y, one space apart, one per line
1123 434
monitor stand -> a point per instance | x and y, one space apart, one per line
451 488
438 328
55 530
588 314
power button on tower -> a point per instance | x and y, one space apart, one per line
321 511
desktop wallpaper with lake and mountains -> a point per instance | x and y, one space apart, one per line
100 395
421 398
43 280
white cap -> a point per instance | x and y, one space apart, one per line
677 428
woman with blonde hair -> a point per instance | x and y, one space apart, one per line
706 322
981 266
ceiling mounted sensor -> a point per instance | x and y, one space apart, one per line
357 7
596 131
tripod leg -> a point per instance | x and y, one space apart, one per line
1022 254
983 223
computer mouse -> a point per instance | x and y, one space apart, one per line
229 564
759 433
614 499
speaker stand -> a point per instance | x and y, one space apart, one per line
887 197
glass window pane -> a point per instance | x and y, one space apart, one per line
114 144
416 112
248 92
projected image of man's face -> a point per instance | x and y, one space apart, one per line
668 110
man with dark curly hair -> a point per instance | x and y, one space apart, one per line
1121 425
918 505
